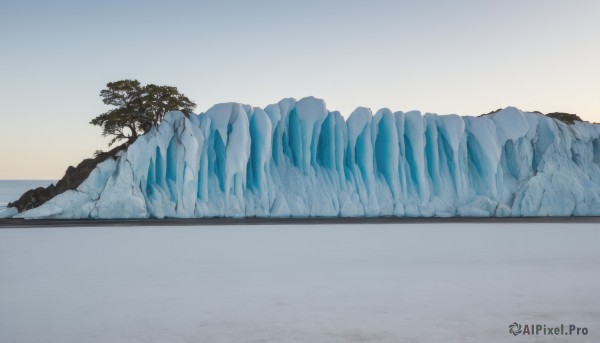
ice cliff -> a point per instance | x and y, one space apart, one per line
296 158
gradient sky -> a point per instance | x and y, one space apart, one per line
464 57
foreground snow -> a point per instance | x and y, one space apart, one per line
355 283
296 158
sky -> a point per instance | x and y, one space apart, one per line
462 57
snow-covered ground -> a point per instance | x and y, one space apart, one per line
301 283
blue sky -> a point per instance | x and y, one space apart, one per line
464 57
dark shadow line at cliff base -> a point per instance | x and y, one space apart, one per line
41 223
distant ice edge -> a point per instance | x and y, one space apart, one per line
296 158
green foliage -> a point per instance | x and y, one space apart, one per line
137 108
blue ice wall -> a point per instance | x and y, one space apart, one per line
296 158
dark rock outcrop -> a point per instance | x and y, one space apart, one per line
564 117
490 113
73 177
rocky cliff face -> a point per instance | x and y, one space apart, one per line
73 177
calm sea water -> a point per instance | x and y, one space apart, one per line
11 190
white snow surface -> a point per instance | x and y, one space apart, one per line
298 283
296 158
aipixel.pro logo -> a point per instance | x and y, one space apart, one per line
545 330
515 328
